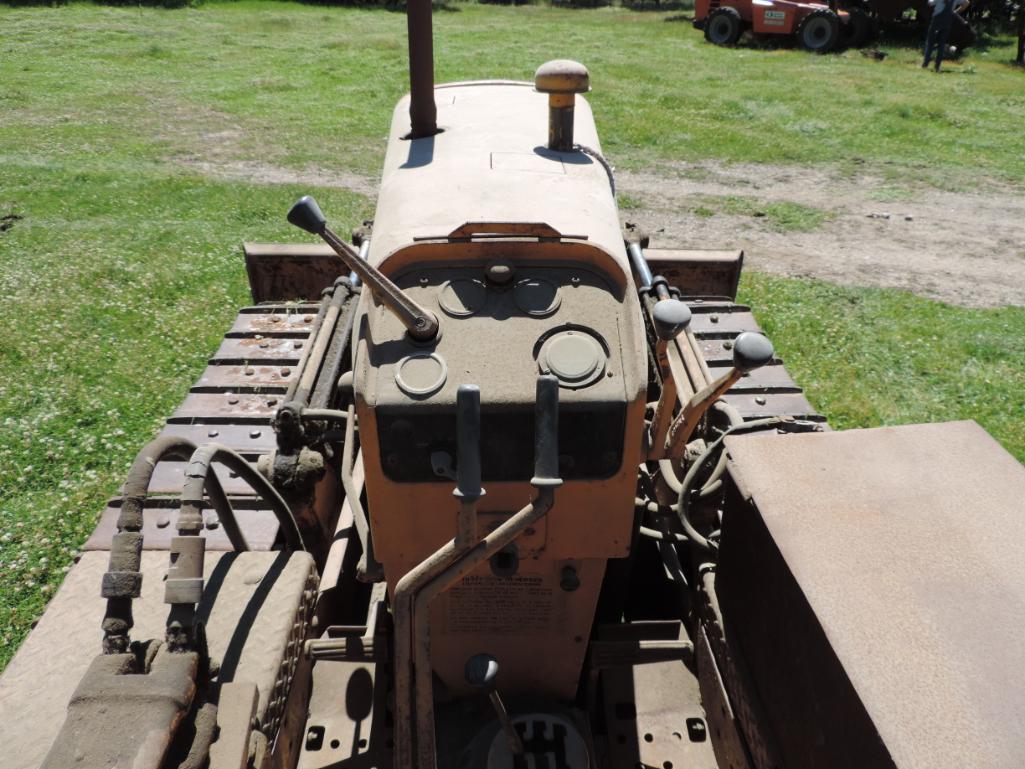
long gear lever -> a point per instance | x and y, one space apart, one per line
481 671
420 322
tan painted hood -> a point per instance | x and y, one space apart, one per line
490 164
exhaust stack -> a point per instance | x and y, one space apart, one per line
562 80
423 113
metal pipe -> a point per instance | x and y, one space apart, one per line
325 415
368 569
420 322
511 736
327 379
686 421
750 351
468 490
364 254
315 354
423 112
642 272
318 321
695 347
405 590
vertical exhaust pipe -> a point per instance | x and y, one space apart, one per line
423 113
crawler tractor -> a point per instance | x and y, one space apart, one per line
496 487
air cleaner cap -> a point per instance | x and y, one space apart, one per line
562 76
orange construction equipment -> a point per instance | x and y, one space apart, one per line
819 27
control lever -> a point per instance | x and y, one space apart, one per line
669 318
481 670
439 572
546 433
468 474
751 350
420 322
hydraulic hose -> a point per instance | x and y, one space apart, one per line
682 504
123 580
198 472
665 466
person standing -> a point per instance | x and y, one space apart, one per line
939 29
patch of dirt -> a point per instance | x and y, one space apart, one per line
961 248
214 144
258 172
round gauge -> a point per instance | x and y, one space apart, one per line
462 297
576 357
537 297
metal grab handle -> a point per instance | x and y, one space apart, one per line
527 229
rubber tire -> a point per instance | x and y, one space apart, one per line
723 26
859 30
820 31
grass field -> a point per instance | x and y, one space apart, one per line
139 147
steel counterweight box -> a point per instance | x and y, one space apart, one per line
874 583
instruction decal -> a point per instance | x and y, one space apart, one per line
513 605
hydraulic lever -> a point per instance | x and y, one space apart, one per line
420 322
750 351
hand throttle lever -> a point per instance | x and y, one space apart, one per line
420 322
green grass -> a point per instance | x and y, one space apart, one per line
301 85
872 357
123 128
782 216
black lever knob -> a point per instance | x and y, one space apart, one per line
751 350
468 472
546 432
670 317
480 671
306 215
